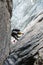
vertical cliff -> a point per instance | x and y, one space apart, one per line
5 15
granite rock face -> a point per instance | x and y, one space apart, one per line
29 44
4 30
34 33
27 49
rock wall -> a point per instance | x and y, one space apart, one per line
29 49
30 44
34 33
5 14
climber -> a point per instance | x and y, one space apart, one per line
16 33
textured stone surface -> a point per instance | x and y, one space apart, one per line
27 47
26 50
4 30
34 35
